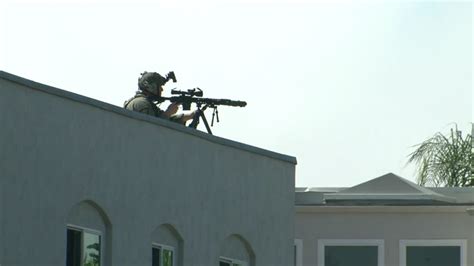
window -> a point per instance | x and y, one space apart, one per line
433 252
230 262
162 255
350 252
298 253
83 247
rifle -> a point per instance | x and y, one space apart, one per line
186 98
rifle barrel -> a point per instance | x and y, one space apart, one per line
210 101
221 102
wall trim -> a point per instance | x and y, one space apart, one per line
299 252
243 263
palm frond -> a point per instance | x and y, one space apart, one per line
445 160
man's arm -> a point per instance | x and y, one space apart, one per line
171 110
188 116
181 118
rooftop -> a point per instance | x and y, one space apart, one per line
388 189
139 116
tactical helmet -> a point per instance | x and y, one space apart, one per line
148 78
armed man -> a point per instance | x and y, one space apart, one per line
150 86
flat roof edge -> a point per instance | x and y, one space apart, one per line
112 108
384 209
386 196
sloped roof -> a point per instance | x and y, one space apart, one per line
388 189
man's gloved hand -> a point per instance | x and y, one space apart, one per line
172 109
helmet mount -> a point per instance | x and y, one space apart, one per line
147 79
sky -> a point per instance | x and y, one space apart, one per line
347 87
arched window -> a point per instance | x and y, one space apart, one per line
236 251
166 246
87 229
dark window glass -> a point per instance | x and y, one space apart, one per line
155 260
434 256
73 253
350 255
294 255
224 263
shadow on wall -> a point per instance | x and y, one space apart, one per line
236 250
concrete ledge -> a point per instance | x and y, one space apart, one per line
147 118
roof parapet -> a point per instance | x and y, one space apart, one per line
139 116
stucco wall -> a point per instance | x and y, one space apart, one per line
141 172
389 224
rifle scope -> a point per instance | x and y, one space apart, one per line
191 92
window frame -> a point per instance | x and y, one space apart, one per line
232 261
380 243
299 251
83 229
162 247
404 243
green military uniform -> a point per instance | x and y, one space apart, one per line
143 104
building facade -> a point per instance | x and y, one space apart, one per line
387 221
86 183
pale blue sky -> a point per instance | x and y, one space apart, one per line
346 87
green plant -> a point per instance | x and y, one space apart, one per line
445 160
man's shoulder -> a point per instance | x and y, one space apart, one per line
140 103
137 99
140 100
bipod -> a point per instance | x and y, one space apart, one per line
200 115
215 114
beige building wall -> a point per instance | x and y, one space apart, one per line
388 223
